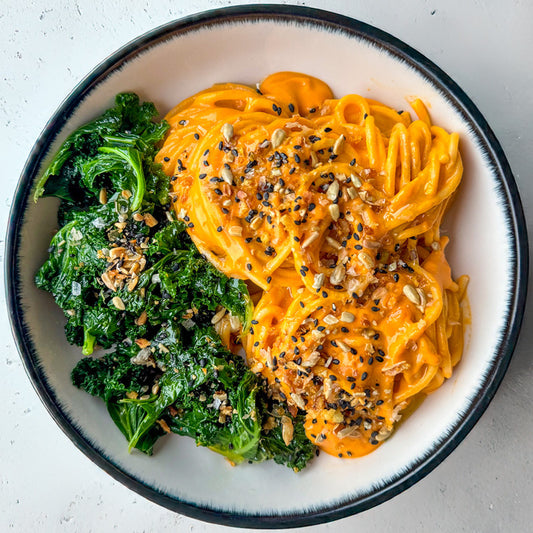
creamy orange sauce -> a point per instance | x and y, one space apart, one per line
332 208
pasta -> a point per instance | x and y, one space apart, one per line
331 208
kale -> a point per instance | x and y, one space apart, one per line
111 378
300 450
115 151
130 280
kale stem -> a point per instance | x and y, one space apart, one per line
133 157
88 342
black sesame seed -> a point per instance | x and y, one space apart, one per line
249 266
364 375
219 229
202 176
218 191
269 279
196 136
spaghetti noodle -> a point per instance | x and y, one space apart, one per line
332 208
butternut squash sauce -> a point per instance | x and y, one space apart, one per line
332 209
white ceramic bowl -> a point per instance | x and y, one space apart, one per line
489 243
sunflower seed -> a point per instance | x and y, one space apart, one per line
118 303
312 238
334 212
411 294
318 281
333 243
366 259
338 275
330 320
278 136
227 175
347 317
338 145
227 131
298 400
217 317
333 191
355 180
235 231
102 197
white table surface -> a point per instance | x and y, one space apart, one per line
46 484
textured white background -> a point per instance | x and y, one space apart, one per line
46 47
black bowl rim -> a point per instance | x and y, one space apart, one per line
489 144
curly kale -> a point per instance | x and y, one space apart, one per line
129 279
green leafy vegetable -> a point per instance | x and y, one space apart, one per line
129 279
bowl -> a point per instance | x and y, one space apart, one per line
486 223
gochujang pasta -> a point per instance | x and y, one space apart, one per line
331 208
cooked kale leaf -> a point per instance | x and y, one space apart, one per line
130 280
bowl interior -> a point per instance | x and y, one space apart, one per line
230 50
